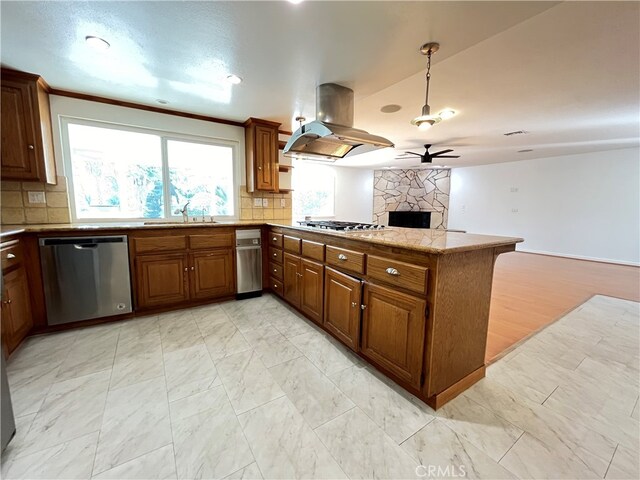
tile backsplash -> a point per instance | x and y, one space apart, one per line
18 208
264 205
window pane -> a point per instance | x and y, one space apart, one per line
116 174
203 175
313 190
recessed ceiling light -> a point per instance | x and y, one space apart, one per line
295 2
447 113
97 42
525 150
234 79
391 108
161 101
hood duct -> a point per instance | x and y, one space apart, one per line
332 136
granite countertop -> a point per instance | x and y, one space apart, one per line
423 240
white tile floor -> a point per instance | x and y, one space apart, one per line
251 390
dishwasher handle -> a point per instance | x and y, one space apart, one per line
91 242
85 246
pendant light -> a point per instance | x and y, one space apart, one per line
426 120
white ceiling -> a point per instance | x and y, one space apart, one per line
568 73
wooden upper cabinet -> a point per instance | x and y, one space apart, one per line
342 306
291 282
311 291
27 138
393 331
212 274
161 279
261 151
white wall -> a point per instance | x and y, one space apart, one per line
584 206
354 194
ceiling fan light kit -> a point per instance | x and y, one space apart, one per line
426 120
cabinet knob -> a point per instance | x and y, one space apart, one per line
30 147
342 257
275 239
275 270
7 302
362 307
354 304
275 285
193 268
10 256
275 254
186 269
259 168
392 271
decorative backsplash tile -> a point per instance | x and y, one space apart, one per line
18 208
411 190
270 207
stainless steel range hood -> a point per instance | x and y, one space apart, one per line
332 136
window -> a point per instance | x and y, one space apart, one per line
125 173
313 190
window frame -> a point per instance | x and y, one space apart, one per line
165 136
333 200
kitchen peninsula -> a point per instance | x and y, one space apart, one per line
413 303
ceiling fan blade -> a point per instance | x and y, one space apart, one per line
441 152
448 156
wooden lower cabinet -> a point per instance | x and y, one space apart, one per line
342 306
312 287
211 274
17 320
161 279
291 281
393 332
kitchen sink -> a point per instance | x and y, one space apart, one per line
178 222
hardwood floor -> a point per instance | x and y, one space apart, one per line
531 291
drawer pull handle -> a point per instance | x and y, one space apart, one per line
275 270
275 239
10 256
392 271
342 257
275 254
31 147
275 285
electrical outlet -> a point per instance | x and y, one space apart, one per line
37 197
265 202
257 202
283 202
514 210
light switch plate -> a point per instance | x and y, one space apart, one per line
257 202
265 202
37 197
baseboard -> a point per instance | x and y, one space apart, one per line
580 257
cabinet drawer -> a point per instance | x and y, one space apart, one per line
276 286
313 250
292 244
275 239
217 240
275 255
11 254
159 244
275 270
404 275
347 259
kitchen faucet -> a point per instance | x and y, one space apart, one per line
184 212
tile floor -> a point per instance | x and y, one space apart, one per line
251 390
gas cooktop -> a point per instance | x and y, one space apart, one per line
340 226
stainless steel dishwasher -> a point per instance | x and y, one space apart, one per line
85 277
248 263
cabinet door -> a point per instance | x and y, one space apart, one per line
161 279
311 291
17 308
291 282
19 159
342 306
266 151
212 274
393 332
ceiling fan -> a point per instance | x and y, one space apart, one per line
427 157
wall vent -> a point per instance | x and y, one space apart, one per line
515 132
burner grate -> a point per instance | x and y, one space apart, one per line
340 226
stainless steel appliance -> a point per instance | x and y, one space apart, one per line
85 277
8 424
340 226
248 263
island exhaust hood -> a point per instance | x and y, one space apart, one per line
332 136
